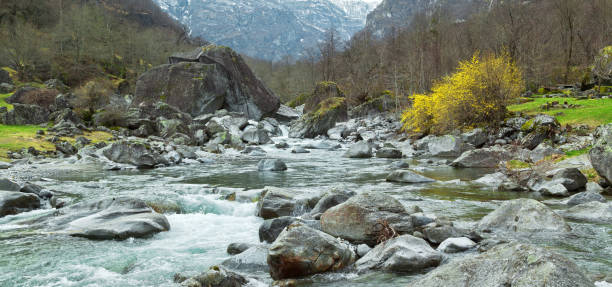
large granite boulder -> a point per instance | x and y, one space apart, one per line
133 153
404 254
517 265
251 260
523 215
571 178
601 153
300 250
116 218
359 150
444 146
361 218
25 115
205 80
12 202
484 158
275 202
271 228
318 122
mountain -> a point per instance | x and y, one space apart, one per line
392 14
269 29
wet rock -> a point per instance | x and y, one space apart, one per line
336 132
275 202
437 234
237 248
523 215
12 202
255 135
407 176
601 153
301 250
216 277
483 158
402 164
133 153
111 218
444 146
508 265
584 197
363 249
454 245
210 78
405 253
388 153
5 165
281 145
271 165
361 218
271 228
330 200
359 150
254 151
9 185
593 211
250 260
299 149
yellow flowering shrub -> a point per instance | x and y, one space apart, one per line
477 94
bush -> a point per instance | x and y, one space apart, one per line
477 94
94 94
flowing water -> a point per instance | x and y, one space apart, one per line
203 224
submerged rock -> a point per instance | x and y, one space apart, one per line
388 153
111 218
237 248
523 215
405 253
594 211
361 218
215 277
301 250
407 176
584 197
519 265
12 202
271 165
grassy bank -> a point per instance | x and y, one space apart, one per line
3 102
593 112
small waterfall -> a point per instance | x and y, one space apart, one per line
285 131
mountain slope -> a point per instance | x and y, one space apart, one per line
269 29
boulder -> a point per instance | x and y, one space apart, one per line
271 228
318 122
523 215
454 245
9 185
336 132
438 233
25 115
301 250
275 202
215 277
361 218
237 248
66 148
286 114
6 88
5 77
444 146
483 158
116 218
330 200
601 153
12 202
208 79
584 197
359 150
271 165
593 211
323 91
538 129
571 178
250 260
389 153
299 149
133 153
543 151
476 137
5 165
553 188
407 176
406 254
255 135
519 265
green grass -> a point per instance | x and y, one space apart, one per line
517 164
591 112
574 153
3 102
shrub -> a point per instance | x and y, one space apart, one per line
477 94
94 94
